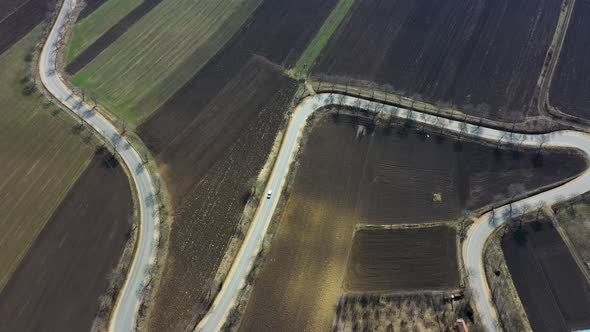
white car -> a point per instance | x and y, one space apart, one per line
269 194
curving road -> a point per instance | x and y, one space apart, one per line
477 235
125 311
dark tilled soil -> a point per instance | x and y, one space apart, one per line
483 56
403 260
555 295
207 167
571 81
8 7
110 36
348 176
21 19
403 171
58 283
89 7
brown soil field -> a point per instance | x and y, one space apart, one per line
58 283
552 289
402 171
207 167
17 20
408 312
340 174
482 56
110 36
89 7
392 260
571 80
213 137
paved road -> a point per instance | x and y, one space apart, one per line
478 233
125 312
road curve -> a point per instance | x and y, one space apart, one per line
477 235
124 315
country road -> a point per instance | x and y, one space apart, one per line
477 235
125 311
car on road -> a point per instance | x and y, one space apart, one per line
269 194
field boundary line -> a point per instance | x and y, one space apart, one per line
126 307
376 227
573 252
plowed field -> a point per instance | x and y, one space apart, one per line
483 56
571 81
348 175
389 260
555 295
18 19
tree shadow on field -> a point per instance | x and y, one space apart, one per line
108 160
537 160
388 130
519 235
457 146
421 134
335 117
498 154
402 132
515 153
537 226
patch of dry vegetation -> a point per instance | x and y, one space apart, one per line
574 218
404 312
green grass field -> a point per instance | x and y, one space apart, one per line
309 56
40 155
89 29
160 53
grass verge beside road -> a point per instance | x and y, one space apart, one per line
89 29
510 309
307 59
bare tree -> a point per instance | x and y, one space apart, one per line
492 218
462 129
463 225
144 158
157 186
122 124
340 99
499 141
541 141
